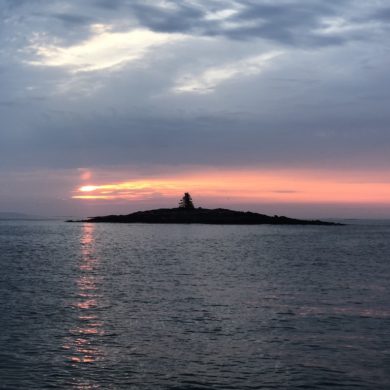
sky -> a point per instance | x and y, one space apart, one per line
113 106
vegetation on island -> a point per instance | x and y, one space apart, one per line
186 202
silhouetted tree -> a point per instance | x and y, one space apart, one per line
186 202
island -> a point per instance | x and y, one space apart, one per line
186 213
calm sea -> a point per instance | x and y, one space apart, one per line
108 306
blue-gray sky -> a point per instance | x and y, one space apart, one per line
127 90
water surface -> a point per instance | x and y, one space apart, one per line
135 306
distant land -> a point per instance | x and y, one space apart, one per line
203 216
187 213
13 215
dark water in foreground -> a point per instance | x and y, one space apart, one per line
194 307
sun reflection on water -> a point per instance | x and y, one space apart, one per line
83 342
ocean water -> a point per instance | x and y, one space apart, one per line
107 306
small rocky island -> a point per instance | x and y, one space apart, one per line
187 213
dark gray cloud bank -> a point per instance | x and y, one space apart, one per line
294 83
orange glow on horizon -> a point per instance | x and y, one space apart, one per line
88 188
249 186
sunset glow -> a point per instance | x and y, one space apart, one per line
248 186
88 188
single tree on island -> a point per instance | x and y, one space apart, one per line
186 202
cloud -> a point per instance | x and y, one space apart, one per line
316 105
168 17
287 22
105 49
210 78
384 15
284 22
222 14
72 19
